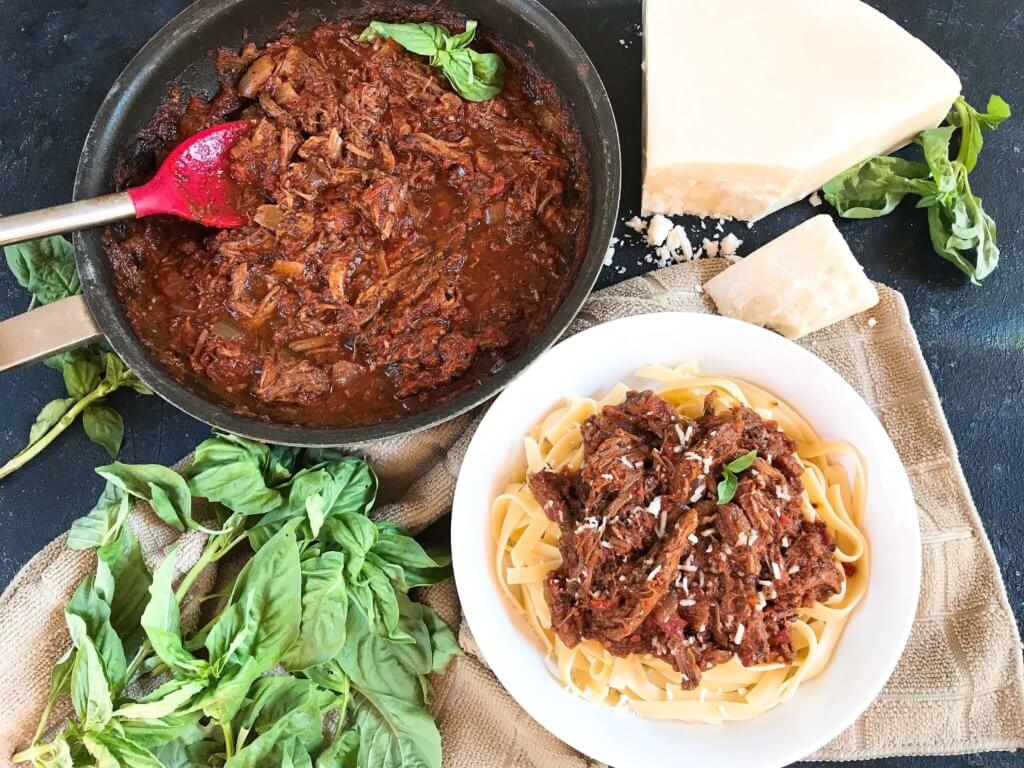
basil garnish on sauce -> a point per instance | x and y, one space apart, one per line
475 76
727 485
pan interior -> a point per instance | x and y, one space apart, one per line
182 54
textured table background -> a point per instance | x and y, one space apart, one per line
59 57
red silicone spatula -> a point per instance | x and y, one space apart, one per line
192 183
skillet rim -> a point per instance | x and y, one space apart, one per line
99 152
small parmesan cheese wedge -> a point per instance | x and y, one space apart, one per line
823 84
800 282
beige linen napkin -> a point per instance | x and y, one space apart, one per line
958 688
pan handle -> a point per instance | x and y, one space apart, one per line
46 331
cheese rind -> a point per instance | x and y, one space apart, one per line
751 105
803 281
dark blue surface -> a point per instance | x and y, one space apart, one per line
58 58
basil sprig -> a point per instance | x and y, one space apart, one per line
316 654
961 231
727 485
46 268
474 76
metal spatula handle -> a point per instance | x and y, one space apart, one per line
66 218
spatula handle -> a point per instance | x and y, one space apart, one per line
66 218
46 331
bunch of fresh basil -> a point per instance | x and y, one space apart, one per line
961 231
46 268
317 656
474 76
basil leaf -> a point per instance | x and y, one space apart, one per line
88 618
104 426
169 699
272 698
162 624
421 39
294 755
475 76
111 749
165 490
340 753
875 187
90 691
418 568
973 123
744 462
935 142
230 471
103 522
304 723
45 267
123 557
355 534
324 611
393 732
727 487
56 754
49 416
268 593
82 372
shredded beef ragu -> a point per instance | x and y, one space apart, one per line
652 564
403 242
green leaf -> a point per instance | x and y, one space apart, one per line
161 621
272 698
230 471
88 618
49 416
421 39
935 143
270 588
418 568
123 557
973 123
111 749
165 490
45 267
876 186
304 723
81 372
355 534
56 754
727 488
744 462
342 752
474 76
102 524
324 609
394 732
169 699
90 691
105 426
294 755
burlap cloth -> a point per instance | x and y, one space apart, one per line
958 688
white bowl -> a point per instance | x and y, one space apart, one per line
589 364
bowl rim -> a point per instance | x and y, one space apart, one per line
543 702
100 151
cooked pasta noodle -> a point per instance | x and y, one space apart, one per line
526 550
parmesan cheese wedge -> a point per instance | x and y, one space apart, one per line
751 105
800 282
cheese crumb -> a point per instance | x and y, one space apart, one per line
637 224
658 229
815 200
680 244
872 322
729 245
710 248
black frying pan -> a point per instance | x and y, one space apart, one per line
182 53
